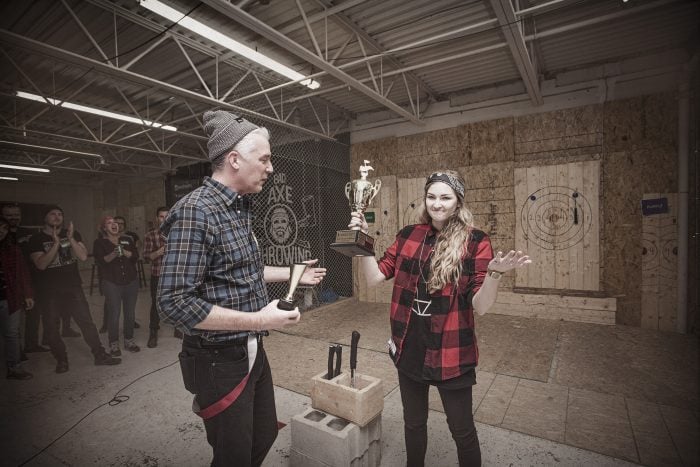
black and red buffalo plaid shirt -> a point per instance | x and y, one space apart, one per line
17 283
453 350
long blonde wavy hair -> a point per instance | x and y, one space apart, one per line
450 247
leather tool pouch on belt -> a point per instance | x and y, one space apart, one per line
187 366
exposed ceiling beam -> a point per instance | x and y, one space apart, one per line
129 76
254 24
20 131
228 58
328 11
470 29
48 149
351 26
510 27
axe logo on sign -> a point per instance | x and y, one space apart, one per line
282 226
281 220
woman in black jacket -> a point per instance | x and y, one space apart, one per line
116 257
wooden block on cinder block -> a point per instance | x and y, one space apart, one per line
359 405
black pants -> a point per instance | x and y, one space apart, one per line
54 302
154 321
242 434
458 408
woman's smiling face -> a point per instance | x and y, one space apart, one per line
441 202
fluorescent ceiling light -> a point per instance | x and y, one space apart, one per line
14 179
22 167
223 40
93 110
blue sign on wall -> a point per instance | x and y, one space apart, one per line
654 206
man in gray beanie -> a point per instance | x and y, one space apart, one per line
212 288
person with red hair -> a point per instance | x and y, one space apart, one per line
116 257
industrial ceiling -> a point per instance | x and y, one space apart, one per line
390 58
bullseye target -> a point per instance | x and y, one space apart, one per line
650 250
556 217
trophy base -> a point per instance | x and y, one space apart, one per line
286 305
353 243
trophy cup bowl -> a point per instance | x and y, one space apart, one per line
295 273
360 194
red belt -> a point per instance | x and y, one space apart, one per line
225 402
222 404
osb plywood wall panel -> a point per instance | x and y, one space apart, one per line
640 157
660 266
634 140
559 136
557 210
475 144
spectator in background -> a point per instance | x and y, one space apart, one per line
121 222
15 295
153 251
55 252
20 236
116 258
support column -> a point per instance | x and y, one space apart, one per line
683 142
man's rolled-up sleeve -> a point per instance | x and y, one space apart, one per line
184 268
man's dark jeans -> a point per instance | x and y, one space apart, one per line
53 302
154 322
34 317
242 434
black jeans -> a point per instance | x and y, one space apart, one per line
242 434
154 321
458 408
54 302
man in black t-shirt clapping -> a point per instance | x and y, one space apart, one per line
55 252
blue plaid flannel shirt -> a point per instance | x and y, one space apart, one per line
211 258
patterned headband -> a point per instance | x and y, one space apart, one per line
452 181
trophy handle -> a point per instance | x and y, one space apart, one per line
347 190
375 189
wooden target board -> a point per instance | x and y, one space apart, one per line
410 200
659 265
557 212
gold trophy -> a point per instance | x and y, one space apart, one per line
360 193
295 273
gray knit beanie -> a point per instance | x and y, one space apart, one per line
224 130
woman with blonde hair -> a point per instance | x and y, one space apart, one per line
444 270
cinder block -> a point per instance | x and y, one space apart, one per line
320 439
359 405
371 458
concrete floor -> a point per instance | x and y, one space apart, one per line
548 393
